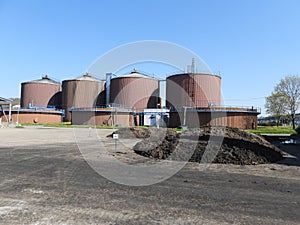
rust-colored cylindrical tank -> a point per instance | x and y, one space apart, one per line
44 93
193 90
82 92
134 90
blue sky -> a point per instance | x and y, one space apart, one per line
251 44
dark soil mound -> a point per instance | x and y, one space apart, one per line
207 144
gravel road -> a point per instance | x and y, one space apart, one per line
46 180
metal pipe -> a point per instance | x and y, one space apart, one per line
107 88
9 113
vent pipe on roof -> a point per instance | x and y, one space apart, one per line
45 77
87 75
134 71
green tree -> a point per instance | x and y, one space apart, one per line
289 89
276 106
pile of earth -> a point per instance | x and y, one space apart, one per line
205 144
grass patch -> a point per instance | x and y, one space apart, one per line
273 130
31 124
78 126
177 129
68 125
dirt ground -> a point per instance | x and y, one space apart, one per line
46 180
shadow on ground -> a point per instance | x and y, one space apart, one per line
294 154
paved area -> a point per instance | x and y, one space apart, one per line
46 180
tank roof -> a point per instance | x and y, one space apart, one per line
85 77
45 80
200 74
135 74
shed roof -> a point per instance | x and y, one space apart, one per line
5 100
